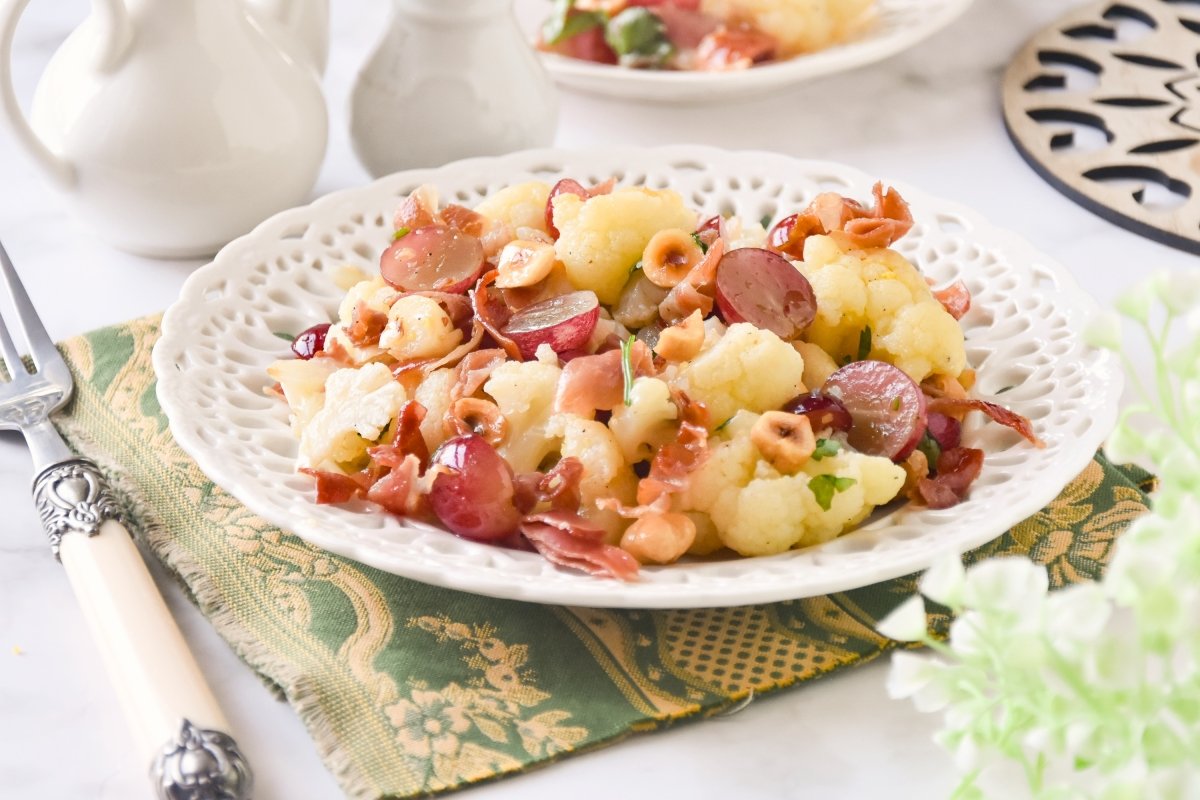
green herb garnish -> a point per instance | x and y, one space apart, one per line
635 267
765 221
824 487
864 344
932 450
700 243
627 367
1005 389
565 22
401 232
826 448
287 337
639 38
722 426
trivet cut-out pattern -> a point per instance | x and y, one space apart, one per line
1104 105
1023 335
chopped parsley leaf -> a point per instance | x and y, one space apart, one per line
287 337
826 448
824 487
765 221
401 232
699 243
722 426
932 450
864 344
627 367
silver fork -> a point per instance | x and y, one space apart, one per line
176 721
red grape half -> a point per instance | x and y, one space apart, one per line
565 323
886 406
472 494
435 258
764 289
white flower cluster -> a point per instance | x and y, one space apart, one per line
1093 691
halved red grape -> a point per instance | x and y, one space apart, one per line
764 289
713 223
886 406
310 342
565 323
435 258
946 431
472 494
565 186
823 411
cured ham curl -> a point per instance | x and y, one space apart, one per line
696 290
851 224
569 540
596 383
334 487
957 469
365 326
955 298
953 406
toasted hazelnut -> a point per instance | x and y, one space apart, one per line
670 256
785 440
659 538
473 415
524 263
683 340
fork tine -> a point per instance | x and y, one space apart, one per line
12 359
41 346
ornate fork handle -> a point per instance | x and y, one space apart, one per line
73 497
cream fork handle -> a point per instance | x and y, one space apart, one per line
177 724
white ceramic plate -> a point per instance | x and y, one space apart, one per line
1023 331
900 25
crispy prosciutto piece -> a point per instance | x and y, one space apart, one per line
569 540
734 48
955 298
398 491
365 326
697 289
596 383
952 406
559 487
672 465
417 210
957 469
493 313
851 224
334 487
406 440
473 372
469 222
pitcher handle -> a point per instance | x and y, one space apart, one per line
116 33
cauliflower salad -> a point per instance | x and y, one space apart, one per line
602 376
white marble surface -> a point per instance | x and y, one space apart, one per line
930 117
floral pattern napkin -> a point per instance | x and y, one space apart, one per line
409 689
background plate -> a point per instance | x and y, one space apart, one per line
1023 336
900 25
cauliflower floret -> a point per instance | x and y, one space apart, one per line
418 327
433 394
303 385
647 423
800 26
605 472
758 511
359 404
740 233
376 294
602 238
524 392
880 290
748 368
520 206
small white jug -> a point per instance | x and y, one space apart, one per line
448 81
174 126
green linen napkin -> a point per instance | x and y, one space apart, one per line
409 689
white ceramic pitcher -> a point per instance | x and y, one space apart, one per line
451 79
174 126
